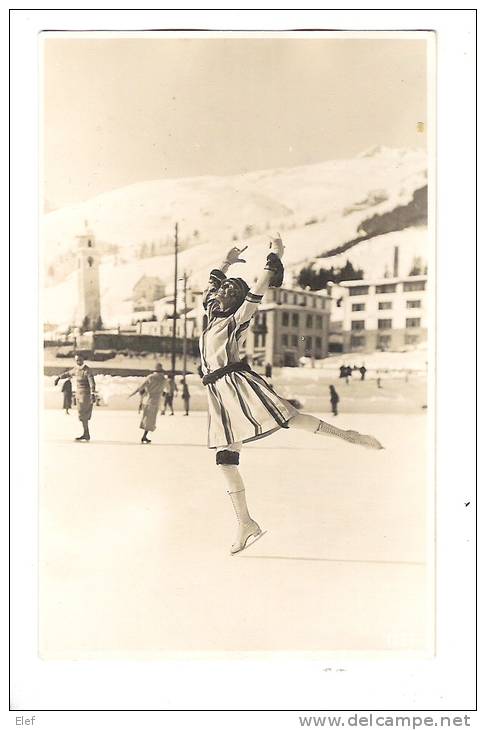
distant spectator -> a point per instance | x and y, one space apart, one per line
67 393
186 396
342 371
362 370
268 370
170 390
334 399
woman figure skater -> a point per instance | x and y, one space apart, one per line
242 407
152 388
85 392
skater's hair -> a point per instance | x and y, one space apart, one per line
158 368
243 289
227 457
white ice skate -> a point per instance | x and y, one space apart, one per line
247 535
369 442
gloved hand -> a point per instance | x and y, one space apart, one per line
275 265
93 398
56 380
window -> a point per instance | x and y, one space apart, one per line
285 340
384 305
309 321
386 288
319 321
411 339
384 342
318 343
414 286
414 304
284 297
384 324
285 319
308 345
357 341
294 341
323 303
357 324
295 320
90 243
356 291
358 307
90 261
412 322
294 298
313 302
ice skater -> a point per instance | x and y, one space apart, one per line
85 392
152 387
169 393
242 407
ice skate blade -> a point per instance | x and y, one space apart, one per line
250 540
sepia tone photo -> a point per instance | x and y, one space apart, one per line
237 296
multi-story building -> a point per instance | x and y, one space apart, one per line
385 314
290 324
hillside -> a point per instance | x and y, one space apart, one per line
316 208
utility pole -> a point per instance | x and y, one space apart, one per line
174 322
184 341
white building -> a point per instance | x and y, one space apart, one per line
384 314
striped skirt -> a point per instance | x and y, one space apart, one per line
243 407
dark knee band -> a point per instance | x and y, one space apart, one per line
227 457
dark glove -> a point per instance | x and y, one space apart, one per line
93 398
275 265
56 380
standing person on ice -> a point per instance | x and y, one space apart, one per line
241 405
85 392
152 387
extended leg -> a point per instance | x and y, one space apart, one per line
311 424
227 461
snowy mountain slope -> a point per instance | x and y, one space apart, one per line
315 208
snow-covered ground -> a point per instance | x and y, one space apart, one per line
134 541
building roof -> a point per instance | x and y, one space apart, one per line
379 282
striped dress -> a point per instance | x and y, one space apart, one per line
242 406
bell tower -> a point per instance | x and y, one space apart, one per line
88 312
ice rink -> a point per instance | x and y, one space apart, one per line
134 540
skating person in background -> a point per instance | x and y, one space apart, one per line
85 392
268 370
242 406
67 395
186 396
169 393
153 387
334 399
342 371
362 370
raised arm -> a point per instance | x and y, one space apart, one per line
217 276
271 276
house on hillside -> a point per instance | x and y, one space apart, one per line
146 291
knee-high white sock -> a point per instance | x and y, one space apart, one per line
236 490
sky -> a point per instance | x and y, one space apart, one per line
122 110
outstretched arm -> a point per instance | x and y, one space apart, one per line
62 376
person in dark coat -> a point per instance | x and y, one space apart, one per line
186 396
67 393
334 399
268 370
342 371
362 370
